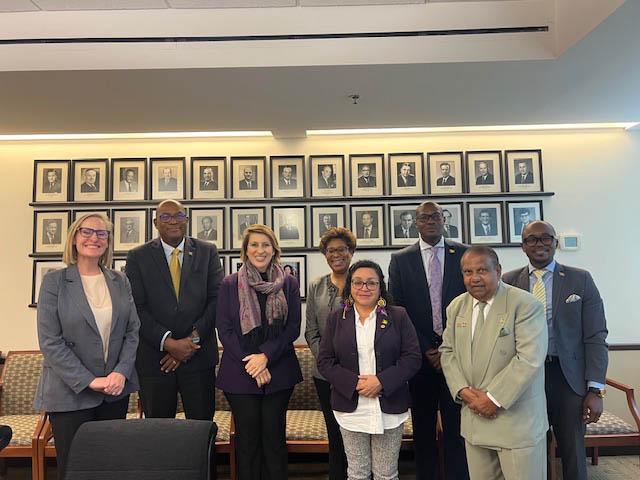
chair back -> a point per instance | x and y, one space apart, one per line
20 378
304 395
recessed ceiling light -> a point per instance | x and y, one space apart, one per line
124 136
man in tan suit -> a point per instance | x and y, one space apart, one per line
493 352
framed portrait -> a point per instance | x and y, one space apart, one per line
445 173
129 229
521 214
296 266
327 175
485 223
289 225
128 179
367 223
208 224
248 177
453 221
406 173
223 263
120 264
523 170
323 218
167 178
208 177
241 219
51 180
78 213
402 219
50 231
287 176
40 269
234 264
484 171
90 180
367 175
152 226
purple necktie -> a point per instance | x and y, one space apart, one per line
435 290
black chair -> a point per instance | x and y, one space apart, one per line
146 449
5 435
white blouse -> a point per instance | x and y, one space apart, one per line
97 293
368 417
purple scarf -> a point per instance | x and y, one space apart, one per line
250 281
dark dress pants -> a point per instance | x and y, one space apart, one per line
337 457
429 392
66 424
159 394
564 407
261 449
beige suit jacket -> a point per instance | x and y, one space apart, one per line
508 363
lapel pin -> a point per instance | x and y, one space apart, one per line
190 254
451 250
561 274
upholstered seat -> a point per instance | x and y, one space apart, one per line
610 424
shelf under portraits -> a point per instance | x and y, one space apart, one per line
327 175
289 226
367 175
167 178
323 218
129 229
445 173
406 173
484 171
90 180
524 170
287 177
485 223
128 179
208 177
207 224
50 231
367 223
51 180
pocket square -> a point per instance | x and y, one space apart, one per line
504 331
573 298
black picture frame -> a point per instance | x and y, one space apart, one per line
120 236
337 215
163 190
129 191
376 164
533 160
240 187
60 189
290 234
476 181
438 184
201 187
335 185
37 275
296 187
406 185
474 223
515 221
396 213
257 214
458 214
298 264
378 234
46 238
217 234
83 190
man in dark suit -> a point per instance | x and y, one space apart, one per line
446 179
208 182
248 182
129 183
367 228
424 278
167 183
175 281
289 230
365 180
327 179
450 231
485 225
129 233
89 185
406 178
287 181
577 357
406 228
522 221
485 178
246 222
52 184
5 436
523 175
208 232
51 234
326 222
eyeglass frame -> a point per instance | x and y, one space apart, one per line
101 233
173 217
425 217
354 284
540 240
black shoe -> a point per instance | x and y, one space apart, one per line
5 436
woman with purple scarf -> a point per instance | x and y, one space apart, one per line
258 319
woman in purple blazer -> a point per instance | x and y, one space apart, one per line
368 353
258 319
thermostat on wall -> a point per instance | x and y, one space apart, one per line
569 241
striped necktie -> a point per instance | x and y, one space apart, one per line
538 288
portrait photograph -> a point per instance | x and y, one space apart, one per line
445 173
248 177
90 180
453 222
208 177
287 177
403 224
367 175
323 218
367 223
78 213
327 175
234 265
51 180
167 178
40 269
406 173
289 225
120 265
524 170
128 179
241 219
485 223
50 231
207 224
129 229
296 266
521 214
484 171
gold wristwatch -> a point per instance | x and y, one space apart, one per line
600 392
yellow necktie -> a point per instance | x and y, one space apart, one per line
174 268
538 288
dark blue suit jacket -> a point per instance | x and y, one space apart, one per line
398 359
283 363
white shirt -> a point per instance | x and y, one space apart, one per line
168 250
426 251
97 293
368 417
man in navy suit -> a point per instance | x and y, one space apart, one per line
524 175
424 278
446 179
167 183
577 359
178 349
485 178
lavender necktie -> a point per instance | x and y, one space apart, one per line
435 290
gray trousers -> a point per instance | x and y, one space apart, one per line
377 454
528 463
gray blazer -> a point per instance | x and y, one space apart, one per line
71 343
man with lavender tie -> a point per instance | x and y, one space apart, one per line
424 278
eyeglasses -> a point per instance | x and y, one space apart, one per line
337 251
88 233
532 241
178 217
359 284
425 217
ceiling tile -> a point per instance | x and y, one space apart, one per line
17 6
100 4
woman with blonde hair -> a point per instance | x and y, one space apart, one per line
88 334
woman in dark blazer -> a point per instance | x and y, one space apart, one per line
368 353
88 334
258 319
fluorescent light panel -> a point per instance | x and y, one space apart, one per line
479 128
121 136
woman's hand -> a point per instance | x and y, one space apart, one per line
263 378
369 386
98 384
256 363
114 384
